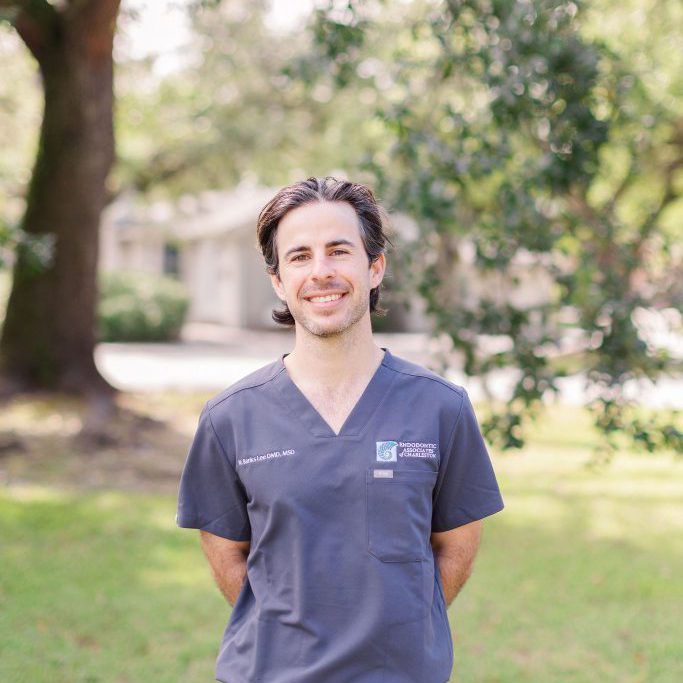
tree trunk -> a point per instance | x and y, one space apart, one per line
48 337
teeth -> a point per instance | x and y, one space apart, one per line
321 299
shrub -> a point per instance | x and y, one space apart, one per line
140 307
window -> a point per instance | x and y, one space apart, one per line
171 260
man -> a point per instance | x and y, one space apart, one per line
340 489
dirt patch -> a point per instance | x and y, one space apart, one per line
144 450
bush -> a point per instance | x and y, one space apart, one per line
140 307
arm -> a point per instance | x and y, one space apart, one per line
454 552
228 562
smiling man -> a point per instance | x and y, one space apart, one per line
339 490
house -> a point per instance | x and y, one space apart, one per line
208 242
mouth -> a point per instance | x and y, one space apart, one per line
326 301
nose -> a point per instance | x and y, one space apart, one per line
322 268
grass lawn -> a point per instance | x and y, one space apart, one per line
578 579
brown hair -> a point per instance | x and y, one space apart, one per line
371 218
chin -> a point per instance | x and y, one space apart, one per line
322 329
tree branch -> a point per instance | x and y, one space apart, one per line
95 20
99 13
670 194
161 168
35 21
580 206
630 175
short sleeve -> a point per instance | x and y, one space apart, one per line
466 488
211 497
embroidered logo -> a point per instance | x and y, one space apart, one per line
386 451
418 449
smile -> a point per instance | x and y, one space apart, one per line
327 299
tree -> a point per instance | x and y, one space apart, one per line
207 125
49 333
237 108
516 131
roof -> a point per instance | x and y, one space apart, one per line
210 213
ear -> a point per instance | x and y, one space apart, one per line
277 286
377 268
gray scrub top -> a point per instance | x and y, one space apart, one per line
341 584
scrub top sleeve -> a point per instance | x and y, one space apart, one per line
466 488
211 497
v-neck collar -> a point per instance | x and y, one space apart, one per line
356 421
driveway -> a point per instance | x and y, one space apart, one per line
211 358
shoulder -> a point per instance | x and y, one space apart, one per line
421 378
249 384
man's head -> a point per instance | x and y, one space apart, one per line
324 237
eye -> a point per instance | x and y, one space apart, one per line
299 257
340 251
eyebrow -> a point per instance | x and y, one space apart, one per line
333 243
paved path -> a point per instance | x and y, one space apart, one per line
210 359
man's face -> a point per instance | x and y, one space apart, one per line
324 277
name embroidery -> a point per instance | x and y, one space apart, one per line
266 456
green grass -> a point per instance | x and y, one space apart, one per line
102 587
577 580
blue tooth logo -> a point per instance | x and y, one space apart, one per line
386 451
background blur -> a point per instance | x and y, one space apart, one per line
530 155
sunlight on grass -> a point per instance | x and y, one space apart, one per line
175 576
34 493
43 416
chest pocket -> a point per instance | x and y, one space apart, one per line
399 514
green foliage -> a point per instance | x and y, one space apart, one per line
520 138
538 132
139 307
338 36
241 108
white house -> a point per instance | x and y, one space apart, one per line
208 242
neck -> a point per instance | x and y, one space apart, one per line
337 360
